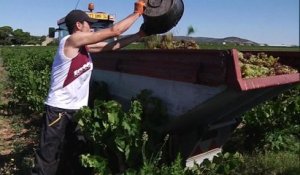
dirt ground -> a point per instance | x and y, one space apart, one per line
6 132
6 135
17 142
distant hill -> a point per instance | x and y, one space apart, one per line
228 40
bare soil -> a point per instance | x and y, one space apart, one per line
6 135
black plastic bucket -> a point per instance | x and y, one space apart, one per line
162 15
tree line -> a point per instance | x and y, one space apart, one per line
9 36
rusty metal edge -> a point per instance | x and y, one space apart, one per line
255 83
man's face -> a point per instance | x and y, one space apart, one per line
85 26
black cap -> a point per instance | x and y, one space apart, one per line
77 16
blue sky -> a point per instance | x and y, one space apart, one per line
273 22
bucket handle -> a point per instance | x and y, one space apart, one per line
153 3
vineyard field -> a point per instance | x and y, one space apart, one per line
267 140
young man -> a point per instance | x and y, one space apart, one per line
70 77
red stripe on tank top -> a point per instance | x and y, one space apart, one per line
79 65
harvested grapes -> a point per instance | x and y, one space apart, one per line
168 42
262 65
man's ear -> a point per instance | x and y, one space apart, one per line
78 25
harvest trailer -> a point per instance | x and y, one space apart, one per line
203 90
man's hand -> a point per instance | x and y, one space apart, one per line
140 6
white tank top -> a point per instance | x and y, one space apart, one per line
70 78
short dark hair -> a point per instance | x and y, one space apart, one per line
77 16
